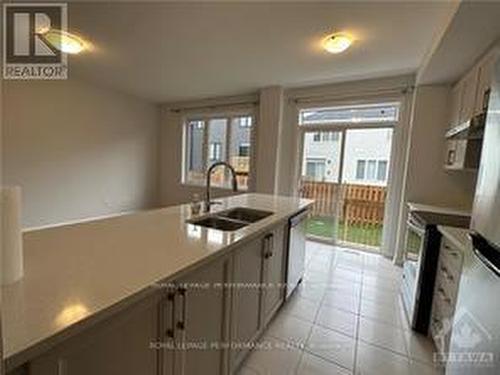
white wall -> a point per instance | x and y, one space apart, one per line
77 150
428 182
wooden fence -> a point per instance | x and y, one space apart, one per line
358 208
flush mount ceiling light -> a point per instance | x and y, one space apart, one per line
65 41
337 43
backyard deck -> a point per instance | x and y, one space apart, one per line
351 214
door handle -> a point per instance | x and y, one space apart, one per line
169 332
181 323
268 245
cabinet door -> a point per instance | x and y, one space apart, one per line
246 297
202 305
456 104
485 71
167 334
469 91
121 345
274 272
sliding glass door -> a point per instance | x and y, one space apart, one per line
345 169
320 178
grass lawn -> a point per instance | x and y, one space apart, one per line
363 235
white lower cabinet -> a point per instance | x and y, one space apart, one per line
119 345
192 327
202 324
273 272
258 277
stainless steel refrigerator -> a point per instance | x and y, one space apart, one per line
475 339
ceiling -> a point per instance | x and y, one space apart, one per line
474 28
180 51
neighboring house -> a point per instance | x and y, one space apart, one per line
366 159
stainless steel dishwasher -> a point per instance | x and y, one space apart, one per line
296 251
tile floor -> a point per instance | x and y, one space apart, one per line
345 318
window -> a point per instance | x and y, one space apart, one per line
212 139
215 151
382 170
245 122
371 170
315 169
326 136
352 114
244 149
360 169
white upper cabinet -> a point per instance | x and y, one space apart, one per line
456 104
469 90
468 94
485 71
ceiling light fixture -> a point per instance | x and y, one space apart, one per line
337 43
65 41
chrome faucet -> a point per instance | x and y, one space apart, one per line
208 202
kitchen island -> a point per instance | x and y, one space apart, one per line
127 273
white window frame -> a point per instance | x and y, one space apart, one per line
206 118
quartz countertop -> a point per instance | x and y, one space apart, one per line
77 274
438 209
458 236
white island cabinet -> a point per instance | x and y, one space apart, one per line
258 279
200 319
119 345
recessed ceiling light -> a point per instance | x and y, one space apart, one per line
65 41
337 43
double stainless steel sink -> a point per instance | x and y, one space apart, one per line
232 219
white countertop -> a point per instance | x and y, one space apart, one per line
458 236
73 272
438 209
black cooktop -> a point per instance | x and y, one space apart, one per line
435 218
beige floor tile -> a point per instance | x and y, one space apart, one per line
372 360
289 328
384 296
273 357
419 368
385 313
383 335
310 291
349 275
338 320
381 282
302 308
420 347
313 365
345 301
332 346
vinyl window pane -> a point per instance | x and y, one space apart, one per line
371 170
240 148
217 133
195 163
382 170
360 169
